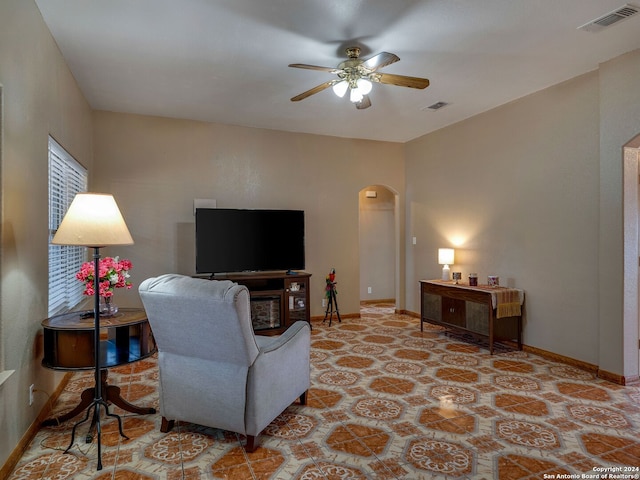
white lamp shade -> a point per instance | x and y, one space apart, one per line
445 256
93 220
355 96
340 88
364 86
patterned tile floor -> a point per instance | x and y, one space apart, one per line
386 402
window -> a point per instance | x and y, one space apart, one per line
66 178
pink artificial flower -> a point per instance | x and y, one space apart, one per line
113 273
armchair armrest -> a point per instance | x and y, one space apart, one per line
279 374
269 344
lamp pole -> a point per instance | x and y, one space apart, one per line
98 401
96 351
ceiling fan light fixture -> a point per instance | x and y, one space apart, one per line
357 75
355 95
364 86
340 88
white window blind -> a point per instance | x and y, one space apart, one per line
66 178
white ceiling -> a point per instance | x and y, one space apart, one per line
227 60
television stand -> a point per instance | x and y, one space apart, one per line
278 299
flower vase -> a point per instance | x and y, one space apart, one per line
107 307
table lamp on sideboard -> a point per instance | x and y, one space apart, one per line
445 257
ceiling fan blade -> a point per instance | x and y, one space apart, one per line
314 90
380 60
315 67
401 80
364 103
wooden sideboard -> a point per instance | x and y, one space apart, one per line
469 309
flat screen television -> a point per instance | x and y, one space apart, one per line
239 240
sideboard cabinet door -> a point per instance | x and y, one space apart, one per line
477 317
432 307
453 312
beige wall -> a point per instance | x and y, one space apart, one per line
619 103
40 97
155 168
515 191
532 192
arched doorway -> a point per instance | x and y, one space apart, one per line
378 244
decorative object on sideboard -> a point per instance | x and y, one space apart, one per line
473 279
457 276
445 257
94 220
493 281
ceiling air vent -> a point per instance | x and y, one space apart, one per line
436 106
610 18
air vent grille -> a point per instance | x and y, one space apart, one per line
610 18
436 106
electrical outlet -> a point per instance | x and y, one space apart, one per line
368 289
32 389
324 302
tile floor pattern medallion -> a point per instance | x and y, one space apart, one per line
386 402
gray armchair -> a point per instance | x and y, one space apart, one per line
213 370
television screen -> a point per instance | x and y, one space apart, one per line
237 240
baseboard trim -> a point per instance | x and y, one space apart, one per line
590 367
619 379
379 300
319 319
31 432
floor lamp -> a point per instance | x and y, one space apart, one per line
94 220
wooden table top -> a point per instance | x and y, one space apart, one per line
84 320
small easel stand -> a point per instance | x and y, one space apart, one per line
331 295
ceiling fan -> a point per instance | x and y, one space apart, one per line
358 76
